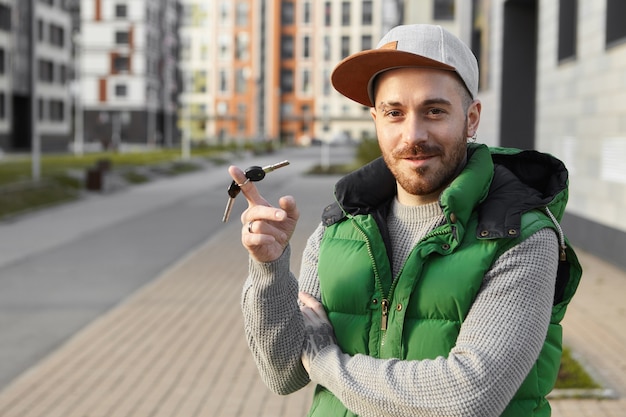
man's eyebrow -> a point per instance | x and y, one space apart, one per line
384 104
427 102
437 100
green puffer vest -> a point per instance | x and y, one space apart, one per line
419 314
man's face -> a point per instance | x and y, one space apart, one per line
422 128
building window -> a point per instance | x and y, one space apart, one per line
185 48
287 13
345 46
443 10
41 109
366 42
57 110
224 43
187 78
306 81
345 13
223 81
241 14
121 37
46 71
121 90
286 46
241 82
567 28
224 10
366 16
5 18
121 10
186 16
242 110
121 64
286 109
615 28
327 48
306 46
242 46
40 30
286 81
327 14
62 74
3 110
2 61
306 18
57 36
326 87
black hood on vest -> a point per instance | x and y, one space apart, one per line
522 181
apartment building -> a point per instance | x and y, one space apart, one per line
129 72
553 80
218 70
48 87
260 70
343 28
352 26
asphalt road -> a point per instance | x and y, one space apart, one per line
63 268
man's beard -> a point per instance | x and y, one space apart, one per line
423 180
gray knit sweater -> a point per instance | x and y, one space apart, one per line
498 343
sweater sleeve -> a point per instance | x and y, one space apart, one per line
273 322
498 344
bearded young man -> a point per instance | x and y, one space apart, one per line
436 282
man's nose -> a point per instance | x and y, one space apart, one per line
414 130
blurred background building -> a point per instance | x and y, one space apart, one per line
127 63
49 108
553 78
152 72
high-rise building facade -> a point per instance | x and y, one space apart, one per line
260 70
129 71
220 70
552 79
34 36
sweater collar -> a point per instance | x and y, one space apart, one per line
372 186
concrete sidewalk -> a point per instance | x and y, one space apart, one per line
176 347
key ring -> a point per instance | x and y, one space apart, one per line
244 183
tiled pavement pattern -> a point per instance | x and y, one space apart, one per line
176 347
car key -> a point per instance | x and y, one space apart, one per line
233 190
253 173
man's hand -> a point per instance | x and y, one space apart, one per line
318 330
266 230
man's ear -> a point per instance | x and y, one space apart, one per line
473 117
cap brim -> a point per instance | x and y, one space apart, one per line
351 76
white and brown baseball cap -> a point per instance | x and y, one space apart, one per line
420 46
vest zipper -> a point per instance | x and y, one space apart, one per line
385 301
384 320
385 314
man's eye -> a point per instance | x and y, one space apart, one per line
393 113
436 111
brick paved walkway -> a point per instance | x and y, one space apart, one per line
594 328
176 347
